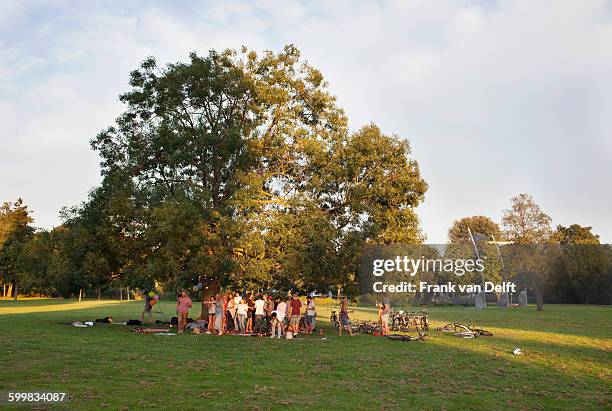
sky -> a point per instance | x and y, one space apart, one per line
496 97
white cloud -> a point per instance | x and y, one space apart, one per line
496 97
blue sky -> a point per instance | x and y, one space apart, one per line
496 97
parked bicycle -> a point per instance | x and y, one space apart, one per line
403 321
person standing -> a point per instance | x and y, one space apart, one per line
384 315
148 308
241 315
270 306
219 313
250 313
237 300
311 312
230 313
212 312
259 314
344 317
183 305
296 313
281 312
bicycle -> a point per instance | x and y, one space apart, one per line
463 331
402 321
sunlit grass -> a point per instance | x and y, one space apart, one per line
566 364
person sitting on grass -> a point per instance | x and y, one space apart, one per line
148 307
344 318
183 304
276 326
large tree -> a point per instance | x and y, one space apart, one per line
241 166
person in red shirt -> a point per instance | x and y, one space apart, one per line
296 313
182 310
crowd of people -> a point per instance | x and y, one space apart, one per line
261 314
251 314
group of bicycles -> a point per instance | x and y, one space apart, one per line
409 322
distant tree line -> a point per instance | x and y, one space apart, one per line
564 265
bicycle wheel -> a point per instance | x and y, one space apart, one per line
465 334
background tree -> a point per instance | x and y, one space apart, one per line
586 263
527 226
525 222
15 232
575 234
482 228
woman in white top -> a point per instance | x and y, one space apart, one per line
241 315
311 312
281 310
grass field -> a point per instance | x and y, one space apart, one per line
566 363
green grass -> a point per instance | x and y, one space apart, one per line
566 365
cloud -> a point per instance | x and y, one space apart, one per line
496 98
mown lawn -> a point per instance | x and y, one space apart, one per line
566 363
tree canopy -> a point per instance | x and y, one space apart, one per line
240 166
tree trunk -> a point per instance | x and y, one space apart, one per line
4 291
210 288
539 300
98 292
121 293
9 293
80 293
16 290
128 293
